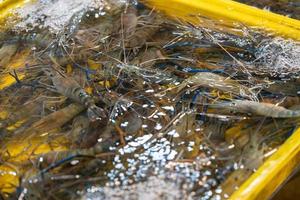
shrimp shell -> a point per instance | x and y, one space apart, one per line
212 80
255 108
55 119
69 87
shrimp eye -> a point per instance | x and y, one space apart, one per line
82 94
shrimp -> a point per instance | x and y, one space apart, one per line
7 51
251 157
212 80
143 34
79 127
136 30
255 108
290 101
56 156
129 21
85 134
91 35
280 87
29 109
54 120
42 39
148 58
148 74
100 147
68 87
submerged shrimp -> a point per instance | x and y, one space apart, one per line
107 141
79 128
6 53
148 58
55 119
212 80
129 21
31 109
68 87
28 109
142 35
255 108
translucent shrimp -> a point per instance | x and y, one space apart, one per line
208 79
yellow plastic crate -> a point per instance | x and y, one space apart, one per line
6 8
229 11
270 176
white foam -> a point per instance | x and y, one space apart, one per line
56 14
278 56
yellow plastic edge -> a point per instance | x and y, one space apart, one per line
226 10
276 169
6 6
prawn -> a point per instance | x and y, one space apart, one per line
129 21
108 141
142 35
208 79
55 119
79 127
84 134
53 157
30 108
255 108
69 87
7 51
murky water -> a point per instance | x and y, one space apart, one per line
112 100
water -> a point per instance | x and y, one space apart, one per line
169 91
